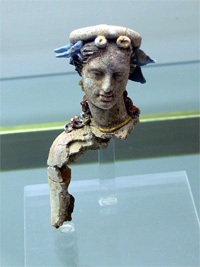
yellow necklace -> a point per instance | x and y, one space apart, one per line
116 127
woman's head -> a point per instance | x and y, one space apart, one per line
106 57
105 74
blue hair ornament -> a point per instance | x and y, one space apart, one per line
68 50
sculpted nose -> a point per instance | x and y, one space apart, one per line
107 84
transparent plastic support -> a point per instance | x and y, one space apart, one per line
107 180
154 223
67 227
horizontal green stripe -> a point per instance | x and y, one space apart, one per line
59 125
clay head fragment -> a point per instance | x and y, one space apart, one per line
105 57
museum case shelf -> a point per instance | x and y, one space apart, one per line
153 223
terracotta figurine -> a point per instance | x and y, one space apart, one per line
105 57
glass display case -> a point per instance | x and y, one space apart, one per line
154 220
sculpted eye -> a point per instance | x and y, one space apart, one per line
118 75
97 74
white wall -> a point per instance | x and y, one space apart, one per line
30 30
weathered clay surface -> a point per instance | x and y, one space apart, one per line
67 148
109 31
105 57
62 203
122 133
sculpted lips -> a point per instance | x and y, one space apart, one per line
106 98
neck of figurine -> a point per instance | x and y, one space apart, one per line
109 118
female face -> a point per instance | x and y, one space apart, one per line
105 77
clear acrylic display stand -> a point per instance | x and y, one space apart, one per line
107 183
153 223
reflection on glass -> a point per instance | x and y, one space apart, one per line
154 224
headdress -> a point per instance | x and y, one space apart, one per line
101 34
